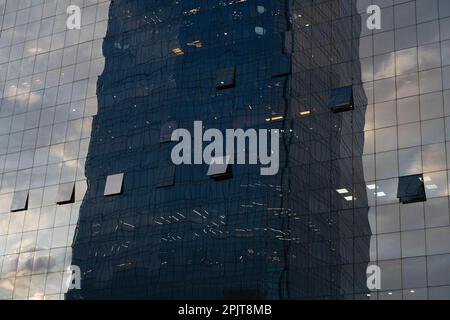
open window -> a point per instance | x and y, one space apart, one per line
226 78
220 168
20 201
411 189
167 130
114 185
166 175
281 66
66 193
341 99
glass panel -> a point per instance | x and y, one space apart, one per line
429 56
407 85
411 189
437 212
391 274
388 219
166 175
428 32
218 166
166 131
405 14
434 157
438 267
411 216
386 165
66 193
386 139
413 243
385 114
225 78
431 106
114 184
20 201
438 240
341 99
410 161
409 135
414 272
433 131
408 110
389 246
430 80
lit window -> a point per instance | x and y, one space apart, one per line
274 118
281 66
20 201
341 99
177 51
226 78
220 168
66 193
304 113
114 185
166 131
411 189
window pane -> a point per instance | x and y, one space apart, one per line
389 246
413 243
406 61
437 212
414 272
431 106
430 56
409 135
410 161
388 219
408 110
20 201
438 240
438 267
114 184
66 193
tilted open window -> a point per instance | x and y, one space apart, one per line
226 78
66 193
411 189
114 185
220 168
166 175
281 66
341 99
167 130
20 201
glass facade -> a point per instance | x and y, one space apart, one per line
48 81
406 77
86 177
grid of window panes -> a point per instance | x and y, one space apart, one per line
166 232
406 76
48 81
176 230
